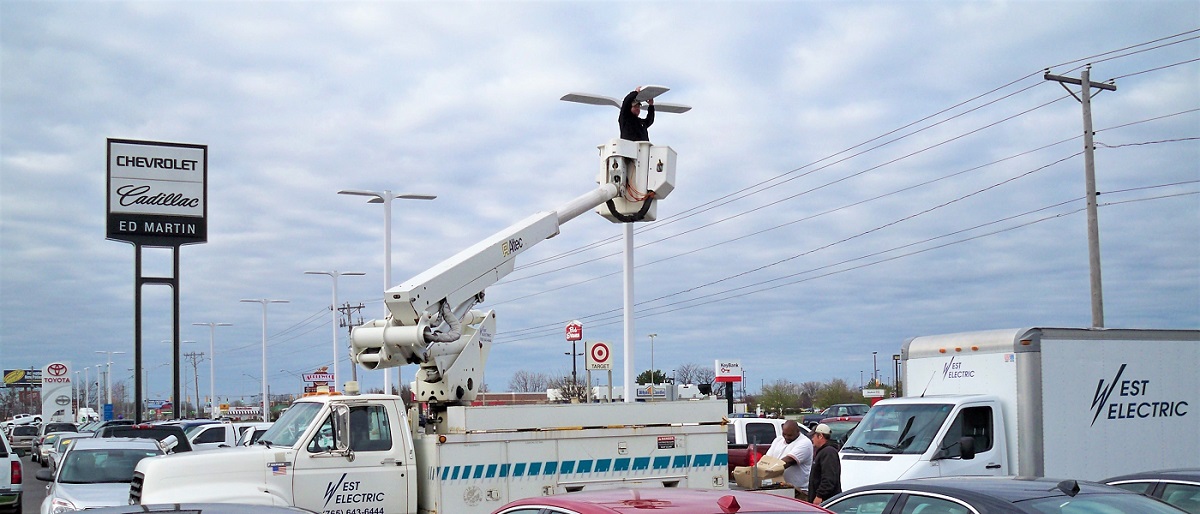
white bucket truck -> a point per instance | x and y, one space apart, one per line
1058 402
363 454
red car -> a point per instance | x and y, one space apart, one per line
661 501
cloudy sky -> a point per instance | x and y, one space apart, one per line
852 174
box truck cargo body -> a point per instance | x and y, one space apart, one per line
1072 403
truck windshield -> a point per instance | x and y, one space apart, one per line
897 429
291 425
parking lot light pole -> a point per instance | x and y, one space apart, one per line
86 396
108 375
75 391
385 197
333 310
266 413
875 367
212 366
652 336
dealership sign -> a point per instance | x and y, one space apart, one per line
56 392
157 192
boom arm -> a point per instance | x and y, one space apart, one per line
431 321
428 312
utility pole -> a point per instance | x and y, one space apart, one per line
195 358
1089 164
347 320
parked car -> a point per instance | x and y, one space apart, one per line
95 426
750 438
840 427
58 426
984 495
53 457
95 472
146 431
833 411
22 438
10 478
41 448
25 419
198 508
250 432
1178 487
210 436
660 500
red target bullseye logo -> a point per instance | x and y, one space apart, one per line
600 353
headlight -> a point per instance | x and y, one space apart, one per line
59 506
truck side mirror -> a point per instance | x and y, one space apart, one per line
341 427
169 443
966 447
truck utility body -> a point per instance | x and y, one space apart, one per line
1078 403
336 454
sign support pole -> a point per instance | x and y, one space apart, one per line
172 282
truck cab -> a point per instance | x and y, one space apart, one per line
933 436
326 453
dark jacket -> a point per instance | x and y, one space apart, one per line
634 128
825 477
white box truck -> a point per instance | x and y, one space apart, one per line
1058 402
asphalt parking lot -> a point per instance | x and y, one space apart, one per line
33 489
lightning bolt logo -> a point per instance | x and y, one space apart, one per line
946 368
332 488
1102 394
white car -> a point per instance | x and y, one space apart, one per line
95 472
249 432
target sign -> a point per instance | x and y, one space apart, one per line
599 356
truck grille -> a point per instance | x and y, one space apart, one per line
135 488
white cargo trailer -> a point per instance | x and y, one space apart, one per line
1060 402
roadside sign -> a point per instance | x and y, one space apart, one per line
574 331
157 192
599 356
318 377
874 393
728 371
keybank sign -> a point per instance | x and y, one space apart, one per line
157 192
1124 398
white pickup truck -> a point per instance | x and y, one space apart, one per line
335 454
10 478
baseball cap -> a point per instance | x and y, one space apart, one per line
822 429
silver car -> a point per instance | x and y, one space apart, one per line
95 473
54 456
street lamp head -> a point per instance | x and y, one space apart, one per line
379 196
336 273
213 324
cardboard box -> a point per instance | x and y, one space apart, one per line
748 477
769 467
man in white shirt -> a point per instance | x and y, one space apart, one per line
796 452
